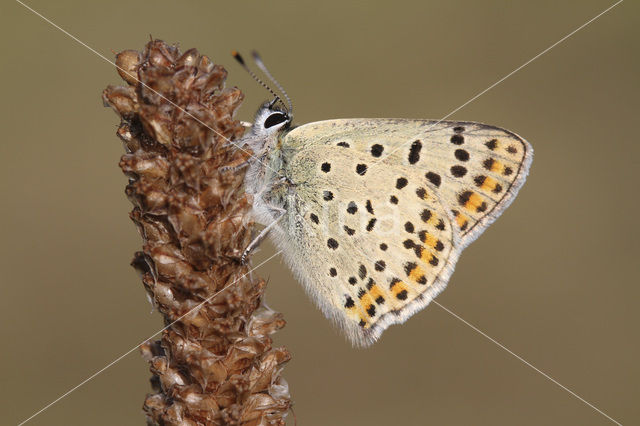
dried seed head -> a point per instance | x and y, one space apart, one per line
215 364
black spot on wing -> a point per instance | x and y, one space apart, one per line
457 139
371 310
371 224
369 207
458 171
462 154
370 284
479 180
362 272
376 150
492 144
434 178
414 152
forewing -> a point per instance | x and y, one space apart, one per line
476 169
372 244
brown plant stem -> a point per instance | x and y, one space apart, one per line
216 365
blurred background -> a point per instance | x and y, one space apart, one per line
555 279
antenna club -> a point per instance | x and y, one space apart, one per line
237 56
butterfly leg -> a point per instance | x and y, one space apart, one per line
244 124
279 214
235 167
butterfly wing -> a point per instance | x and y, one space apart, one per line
477 169
370 231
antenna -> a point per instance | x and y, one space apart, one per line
238 58
263 68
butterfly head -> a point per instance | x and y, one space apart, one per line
273 116
270 118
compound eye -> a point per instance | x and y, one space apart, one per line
275 118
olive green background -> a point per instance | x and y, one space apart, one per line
555 280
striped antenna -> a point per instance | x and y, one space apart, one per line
238 58
263 68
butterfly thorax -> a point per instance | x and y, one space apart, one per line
266 179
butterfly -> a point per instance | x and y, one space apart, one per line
371 215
